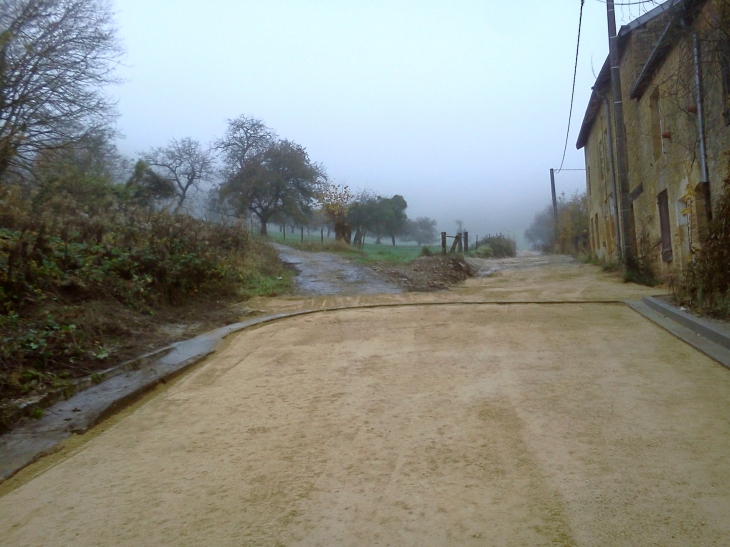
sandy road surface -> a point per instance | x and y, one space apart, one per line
491 424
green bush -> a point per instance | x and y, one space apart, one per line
485 251
501 246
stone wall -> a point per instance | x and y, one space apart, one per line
663 156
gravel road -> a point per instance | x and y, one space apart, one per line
508 422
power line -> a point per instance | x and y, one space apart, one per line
638 3
572 95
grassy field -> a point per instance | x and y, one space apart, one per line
370 253
400 254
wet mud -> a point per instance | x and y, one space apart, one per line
327 274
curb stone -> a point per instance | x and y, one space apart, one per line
696 324
694 331
29 442
81 384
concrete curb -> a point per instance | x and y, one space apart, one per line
27 443
81 384
696 324
687 328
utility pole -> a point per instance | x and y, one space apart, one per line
626 220
555 208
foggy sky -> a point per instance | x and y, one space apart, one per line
459 106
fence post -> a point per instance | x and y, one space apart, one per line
302 229
443 243
456 243
466 242
476 242
321 235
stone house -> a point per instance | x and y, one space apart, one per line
675 72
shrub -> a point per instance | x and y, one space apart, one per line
501 246
485 251
61 249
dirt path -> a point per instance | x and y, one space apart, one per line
493 424
327 273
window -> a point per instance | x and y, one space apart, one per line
656 123
664 226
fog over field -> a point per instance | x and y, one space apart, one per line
461 107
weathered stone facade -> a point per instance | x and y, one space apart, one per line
661 118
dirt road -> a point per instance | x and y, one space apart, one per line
499 420
327 273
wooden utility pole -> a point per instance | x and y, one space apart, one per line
555 207
626 220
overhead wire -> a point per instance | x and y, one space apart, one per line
639 2
572 95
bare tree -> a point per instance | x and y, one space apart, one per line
245 137
185 162
56 57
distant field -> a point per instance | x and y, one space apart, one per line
371 253
399 254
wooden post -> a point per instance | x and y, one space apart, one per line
284 233
443 243
302 229
466 242
321 235
476 242
457 243
555 209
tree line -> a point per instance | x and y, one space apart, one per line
57 136
255 174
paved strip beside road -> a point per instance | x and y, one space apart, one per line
580 424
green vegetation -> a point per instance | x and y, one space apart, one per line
641 272
387 254
499 246
62 249
370 253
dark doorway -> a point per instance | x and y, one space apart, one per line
664 226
